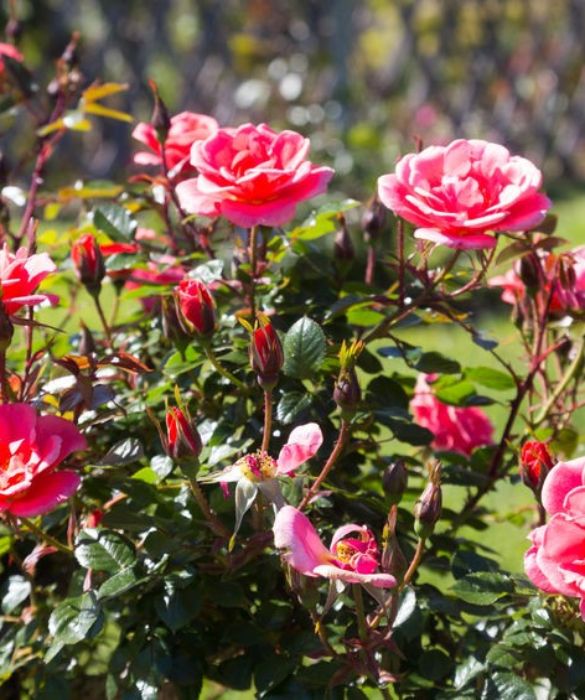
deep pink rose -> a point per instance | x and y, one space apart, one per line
10 51
20 275
186 129
556 561
351 558
458 193
31 449
252 175
456 429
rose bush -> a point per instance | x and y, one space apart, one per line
200 408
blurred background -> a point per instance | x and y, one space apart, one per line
366 80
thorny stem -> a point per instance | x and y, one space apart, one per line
44 536
214 522
267 420
252 255
103 319
222 370
572 370
333 457
410 572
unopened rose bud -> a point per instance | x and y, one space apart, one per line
6 329
530 271
393 560
536 462
172 327
87 344
183 439
394 481
343 247
347 393
89 263
160 119
197 306
427 509
266 355
566 272
374 218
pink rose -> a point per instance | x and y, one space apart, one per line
455 429
556 561
455 194
20 275
252 175
32 448
186 129
10 51
352 557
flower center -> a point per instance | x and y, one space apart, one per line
257 466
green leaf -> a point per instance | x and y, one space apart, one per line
455 392
483 588
104 550
162 465
117 584
122 453
406 606
466 672
410 433
74 620
15 590
490 378
176 607
207 272
435 362
511 687
322 222
434 664
291 404
114 220
304 348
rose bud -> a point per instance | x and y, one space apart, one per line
266 355
183 439
347 393
160 119
394 481
343 247
89 263
535 463
530 271
197 306
374 218
427 509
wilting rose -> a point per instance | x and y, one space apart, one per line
20 275
458 429
252 175
10 51
186 129
31 449
352 557
259 472
197 306
556 561
458 193
568 295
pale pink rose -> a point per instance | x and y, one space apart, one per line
10 51
303 443
20 275
31 449
457 429
186 129
252 175
352 557
566 298
556 561
456 194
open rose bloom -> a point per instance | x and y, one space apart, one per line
457 429
458 194
252 175
351 558
31 449
186 129
556 561
259 472
20 276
